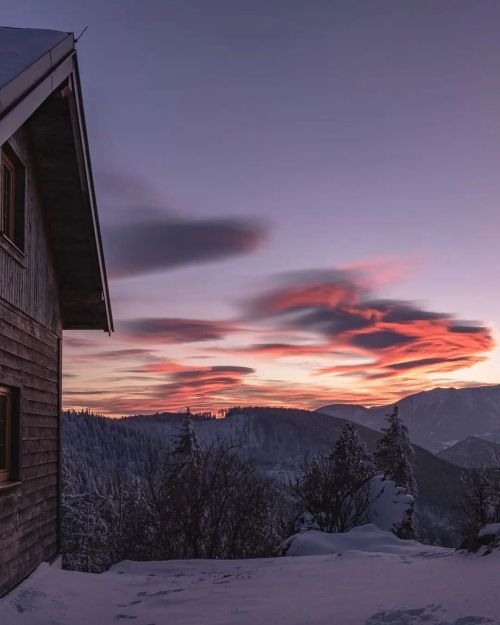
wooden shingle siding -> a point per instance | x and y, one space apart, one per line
29 511
30 333
30 283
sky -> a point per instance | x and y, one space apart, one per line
299 200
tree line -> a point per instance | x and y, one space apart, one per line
143 500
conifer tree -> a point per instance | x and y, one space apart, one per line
353 464
353 468
334 489
187 448
394 455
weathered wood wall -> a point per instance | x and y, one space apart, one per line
30 332
30 283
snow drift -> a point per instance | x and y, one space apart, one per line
391 507
367 538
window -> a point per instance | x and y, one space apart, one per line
5 434
10 435
12 181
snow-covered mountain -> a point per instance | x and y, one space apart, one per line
472 452
437 418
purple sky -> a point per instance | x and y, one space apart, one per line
233 142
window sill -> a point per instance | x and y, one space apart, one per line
11 248
9 485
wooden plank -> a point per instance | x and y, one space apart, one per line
28 325
9 504
39 409
38 430
36 521
47 397
37 445
38 502
25 352
38 458
11 364
24 337
35 471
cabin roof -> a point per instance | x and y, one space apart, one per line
20 48
40 87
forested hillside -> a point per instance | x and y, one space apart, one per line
112 468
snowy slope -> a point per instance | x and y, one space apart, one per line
436 418
436 587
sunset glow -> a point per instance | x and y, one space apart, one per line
297 208
316 337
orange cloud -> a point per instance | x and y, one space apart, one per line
359 348
394 337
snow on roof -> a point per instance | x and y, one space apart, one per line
20 48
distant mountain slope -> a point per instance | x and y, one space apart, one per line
472 452
279 438
437 418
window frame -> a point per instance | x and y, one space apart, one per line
15 231
9 231
6 473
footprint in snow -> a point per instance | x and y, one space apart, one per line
158 593
429 615
26 599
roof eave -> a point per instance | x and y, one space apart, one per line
22 96
91 191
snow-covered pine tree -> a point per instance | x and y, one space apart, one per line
334 489
186 446
353 463
353 468
394 455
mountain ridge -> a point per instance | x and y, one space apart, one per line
472 452
437 418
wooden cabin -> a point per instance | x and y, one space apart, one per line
52 278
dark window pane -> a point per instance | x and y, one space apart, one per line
3 432
12 179
8 198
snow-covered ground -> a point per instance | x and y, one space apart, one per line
372 578
367 538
